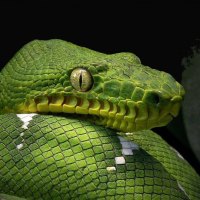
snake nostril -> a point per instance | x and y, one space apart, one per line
155 98
152 98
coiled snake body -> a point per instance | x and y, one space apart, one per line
75 124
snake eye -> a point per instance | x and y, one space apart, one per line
81 79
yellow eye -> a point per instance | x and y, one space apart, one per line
81 79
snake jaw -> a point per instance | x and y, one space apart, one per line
124 115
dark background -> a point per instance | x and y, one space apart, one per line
160 33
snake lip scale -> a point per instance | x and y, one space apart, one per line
125 116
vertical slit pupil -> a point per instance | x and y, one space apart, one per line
80 79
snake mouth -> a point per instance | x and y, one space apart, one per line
125 115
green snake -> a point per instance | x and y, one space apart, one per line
75 124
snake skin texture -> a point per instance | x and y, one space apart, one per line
74 159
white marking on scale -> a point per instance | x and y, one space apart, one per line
180 186
177 153
111 169
120 160
127 146
19 146
128 133
127 152
26 118
22 134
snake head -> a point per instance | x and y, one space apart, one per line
114 90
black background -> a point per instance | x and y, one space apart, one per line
160 33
